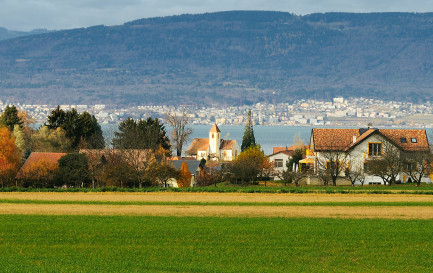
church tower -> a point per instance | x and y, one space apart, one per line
214 141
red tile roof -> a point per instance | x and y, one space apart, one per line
227 144
286 152
291 148
35 158
198 144
343 139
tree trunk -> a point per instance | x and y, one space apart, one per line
334 181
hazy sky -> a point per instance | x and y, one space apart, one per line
65 14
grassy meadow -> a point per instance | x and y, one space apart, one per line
215 232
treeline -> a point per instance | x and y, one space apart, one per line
69 150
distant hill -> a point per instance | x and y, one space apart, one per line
226 58
8 34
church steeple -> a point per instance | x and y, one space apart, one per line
214 141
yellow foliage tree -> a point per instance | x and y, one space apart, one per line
41 173
184 180
10 158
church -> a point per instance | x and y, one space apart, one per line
214 148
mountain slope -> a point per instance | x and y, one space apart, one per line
228 58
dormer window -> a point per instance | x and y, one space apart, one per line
403 140
413 140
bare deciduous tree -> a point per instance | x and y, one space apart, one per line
180 132
417 164
355 174
332 163
387 165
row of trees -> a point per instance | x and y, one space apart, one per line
139 154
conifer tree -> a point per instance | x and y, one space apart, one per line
79 128
248 139
9 118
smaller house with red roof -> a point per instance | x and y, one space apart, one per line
214 148
365 144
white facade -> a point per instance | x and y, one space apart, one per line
279 161
359 155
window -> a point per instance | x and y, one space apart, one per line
212 135
413 140
403 140
278 163
374 149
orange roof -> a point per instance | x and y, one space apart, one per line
198 144
227 144
419 137
215 129
286 152
36 157
342 139
291 148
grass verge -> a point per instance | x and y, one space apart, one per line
195 244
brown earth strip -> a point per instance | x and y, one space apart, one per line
215 197
221 211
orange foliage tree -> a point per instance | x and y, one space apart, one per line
10 158
184 180
40 173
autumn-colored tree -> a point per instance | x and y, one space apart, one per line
10 158
185 175
249 165
39 174
116 171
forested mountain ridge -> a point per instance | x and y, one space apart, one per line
8 34
229 58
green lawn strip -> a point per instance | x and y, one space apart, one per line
33 243
396 189
276 204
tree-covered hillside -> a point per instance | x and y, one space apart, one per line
229 58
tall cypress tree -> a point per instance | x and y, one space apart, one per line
248 139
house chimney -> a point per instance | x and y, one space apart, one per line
354 138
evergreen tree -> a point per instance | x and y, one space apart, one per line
79 128
90 131
144 134
9 118
248 139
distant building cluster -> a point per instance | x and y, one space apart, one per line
338 112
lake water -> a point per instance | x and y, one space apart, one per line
266 136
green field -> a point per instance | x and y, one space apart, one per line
212 244
408 188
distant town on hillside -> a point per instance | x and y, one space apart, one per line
337 112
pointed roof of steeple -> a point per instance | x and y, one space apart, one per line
215 129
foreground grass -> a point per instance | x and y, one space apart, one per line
194 244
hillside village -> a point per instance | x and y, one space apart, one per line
336 112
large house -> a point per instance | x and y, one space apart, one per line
214 148
360 146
